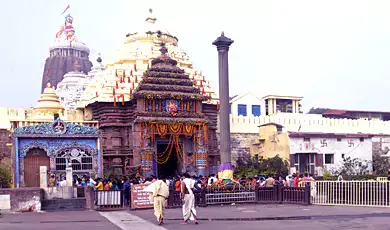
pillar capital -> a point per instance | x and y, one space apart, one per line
222 42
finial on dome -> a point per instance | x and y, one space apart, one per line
150 18
48 84
99 59
163 49
223 34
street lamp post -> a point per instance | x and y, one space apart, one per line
226 169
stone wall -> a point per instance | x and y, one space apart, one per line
241 144
21 199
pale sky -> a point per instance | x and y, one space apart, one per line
335 53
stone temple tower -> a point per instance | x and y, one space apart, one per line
66 50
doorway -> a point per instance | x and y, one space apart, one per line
305 162
32 161
168 167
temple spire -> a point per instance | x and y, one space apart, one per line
151 18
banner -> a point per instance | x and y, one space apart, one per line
140 198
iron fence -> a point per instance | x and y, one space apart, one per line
352 193
275 194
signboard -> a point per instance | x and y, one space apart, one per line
139 198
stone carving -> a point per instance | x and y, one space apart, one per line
75 149
34 145
54 129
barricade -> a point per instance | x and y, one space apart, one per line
108 200
352 193
244 194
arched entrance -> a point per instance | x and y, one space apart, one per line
32 161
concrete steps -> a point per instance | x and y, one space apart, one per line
73 204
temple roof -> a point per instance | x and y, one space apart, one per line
49 100
127 66
165 80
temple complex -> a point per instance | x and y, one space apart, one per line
162 125
63 53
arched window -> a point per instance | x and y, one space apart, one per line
81 159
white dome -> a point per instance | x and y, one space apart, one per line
65 44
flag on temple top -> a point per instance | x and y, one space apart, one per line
66 9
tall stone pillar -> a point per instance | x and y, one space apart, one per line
226 168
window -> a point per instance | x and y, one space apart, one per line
242 110
256 110
306 139
82 159
361 139
339 139
329 158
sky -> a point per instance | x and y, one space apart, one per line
334 53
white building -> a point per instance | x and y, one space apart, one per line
247 105
313 152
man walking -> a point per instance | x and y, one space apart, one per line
159 192
188 199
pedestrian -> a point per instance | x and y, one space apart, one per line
188 199
158 193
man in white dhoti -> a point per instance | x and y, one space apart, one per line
158 193
188 199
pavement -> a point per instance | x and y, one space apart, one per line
78 220
227 217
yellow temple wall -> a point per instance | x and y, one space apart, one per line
273 143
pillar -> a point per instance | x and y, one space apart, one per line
17 172
226 169
270 107
293 106
274 104
99 160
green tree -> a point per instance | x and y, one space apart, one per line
5 175
258 165
354 167
380 162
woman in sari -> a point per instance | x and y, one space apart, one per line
188 199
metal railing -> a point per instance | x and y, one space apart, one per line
243 194
352 193
108 200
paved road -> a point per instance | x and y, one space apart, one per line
278 217
242 217
56 221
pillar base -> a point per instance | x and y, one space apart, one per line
225 171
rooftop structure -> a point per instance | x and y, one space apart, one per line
357 114
47 105
127 66
65 51
282 104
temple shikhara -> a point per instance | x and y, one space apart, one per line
148 109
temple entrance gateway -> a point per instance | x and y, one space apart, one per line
33 160
167 159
